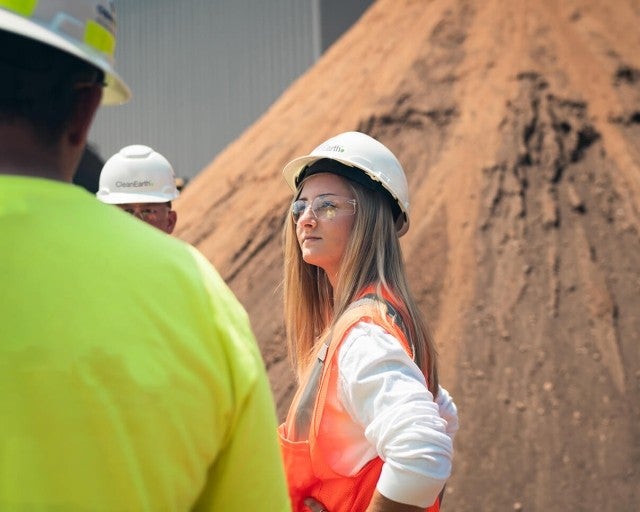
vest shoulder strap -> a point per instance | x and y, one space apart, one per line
365 307
314 390
368 306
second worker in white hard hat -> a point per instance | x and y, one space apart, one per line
141 182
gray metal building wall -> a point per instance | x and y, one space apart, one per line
201 71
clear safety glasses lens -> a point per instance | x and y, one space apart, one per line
149 214
324 207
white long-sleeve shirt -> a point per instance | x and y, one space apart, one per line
385 392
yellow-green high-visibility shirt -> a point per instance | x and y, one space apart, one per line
130 379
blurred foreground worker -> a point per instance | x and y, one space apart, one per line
130 379
141 182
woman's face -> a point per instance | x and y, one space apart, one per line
326 209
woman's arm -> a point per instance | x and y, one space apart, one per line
378 504
385 392
381 504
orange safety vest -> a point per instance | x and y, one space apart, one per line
316 409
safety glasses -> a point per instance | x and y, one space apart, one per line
150 213
324 207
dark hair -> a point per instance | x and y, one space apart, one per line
37 84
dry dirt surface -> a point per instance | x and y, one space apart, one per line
518 124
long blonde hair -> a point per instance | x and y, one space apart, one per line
372 257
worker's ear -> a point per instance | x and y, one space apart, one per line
86 102
172 218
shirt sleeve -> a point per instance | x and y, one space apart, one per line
448 411
248 472
385 392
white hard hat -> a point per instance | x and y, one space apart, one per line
85 29
137 174
365 153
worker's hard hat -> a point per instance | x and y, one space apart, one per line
85 29
137 174
362 153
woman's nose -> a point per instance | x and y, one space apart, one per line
307 216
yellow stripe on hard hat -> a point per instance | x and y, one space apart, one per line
96 36
22 7
82 28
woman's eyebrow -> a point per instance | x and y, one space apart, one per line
304 198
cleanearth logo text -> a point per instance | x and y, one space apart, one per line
335 148
134 184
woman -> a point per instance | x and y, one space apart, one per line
363 432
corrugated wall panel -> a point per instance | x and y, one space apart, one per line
201 71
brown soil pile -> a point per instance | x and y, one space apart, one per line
518 124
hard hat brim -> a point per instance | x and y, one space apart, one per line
116 90
134 198
292 170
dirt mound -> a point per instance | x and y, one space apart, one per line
518 125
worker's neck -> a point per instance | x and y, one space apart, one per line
22 154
